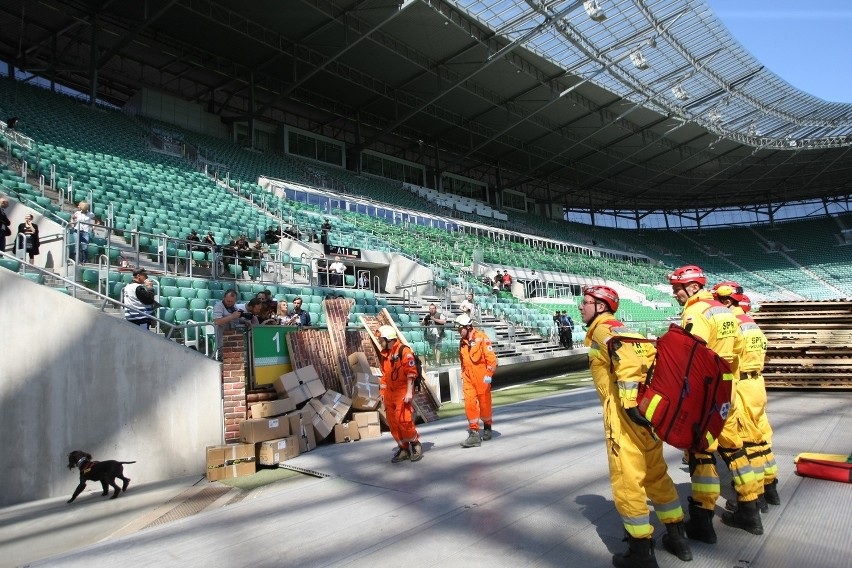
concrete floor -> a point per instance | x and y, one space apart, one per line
536 495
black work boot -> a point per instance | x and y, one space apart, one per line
486 433
640 554
761 504
770 492
675 541
700 524
473 440
746 517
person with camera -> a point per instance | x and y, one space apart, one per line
226 315
434 322
138 299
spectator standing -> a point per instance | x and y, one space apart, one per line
507 281
27 238
5 224
637 468
397 389
434 322
363 281
469 308
83 221
566 330
138 299
325 229
322 270
336 272
478 363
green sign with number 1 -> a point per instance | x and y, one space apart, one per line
271 357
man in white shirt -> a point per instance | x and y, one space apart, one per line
336 272
471 309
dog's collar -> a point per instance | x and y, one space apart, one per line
81 461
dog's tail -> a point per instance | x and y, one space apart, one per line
126 462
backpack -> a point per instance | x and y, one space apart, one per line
686 394
418 382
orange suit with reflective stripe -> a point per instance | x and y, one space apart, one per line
637 469
478 361
398 374
718 326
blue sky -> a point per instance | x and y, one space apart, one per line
808 44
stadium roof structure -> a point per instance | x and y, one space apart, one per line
602 105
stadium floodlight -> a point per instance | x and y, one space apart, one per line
594 10
679 93
639 60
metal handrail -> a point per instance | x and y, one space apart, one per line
171 326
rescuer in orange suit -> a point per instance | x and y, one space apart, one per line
397 389
751 393
710 320
478 363
637 469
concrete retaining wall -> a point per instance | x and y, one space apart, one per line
72 378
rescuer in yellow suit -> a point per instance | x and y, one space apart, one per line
637 469
751 392
708 319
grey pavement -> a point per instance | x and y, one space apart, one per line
536 495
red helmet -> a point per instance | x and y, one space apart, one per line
729 289
745 303
687 274
604 294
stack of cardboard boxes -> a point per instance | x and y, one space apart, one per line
304 414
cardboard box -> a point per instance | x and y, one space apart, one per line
322 419
272 408
232 460
262 429
300 385
304 429
358 362
365 392
368 424
273 452
346 432
337 403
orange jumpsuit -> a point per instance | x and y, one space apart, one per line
478 361
637 469
718 326
752 395
398 374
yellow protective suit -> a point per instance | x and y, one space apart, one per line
718 326
751 392
637 470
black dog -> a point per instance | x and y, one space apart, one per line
105 472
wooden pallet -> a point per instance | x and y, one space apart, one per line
809 344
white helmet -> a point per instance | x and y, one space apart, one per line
463 321
387 332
